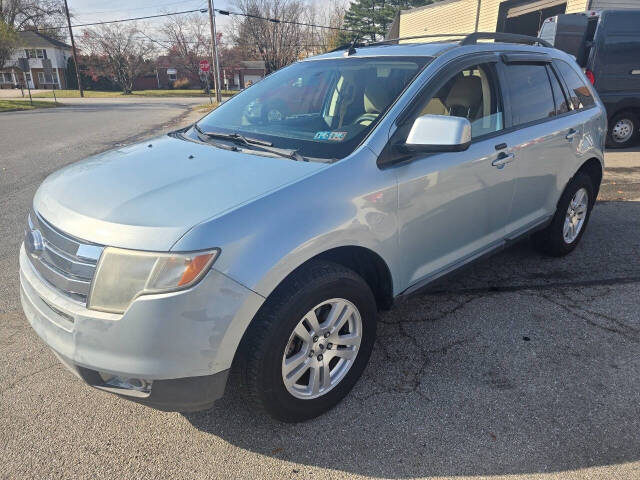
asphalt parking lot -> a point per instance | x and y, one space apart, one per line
521 367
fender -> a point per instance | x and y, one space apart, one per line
265 240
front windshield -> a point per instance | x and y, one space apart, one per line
321 108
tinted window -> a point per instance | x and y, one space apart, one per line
578 90
562 105
470 93
529 90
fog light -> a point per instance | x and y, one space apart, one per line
126 383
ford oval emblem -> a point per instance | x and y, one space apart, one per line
34 243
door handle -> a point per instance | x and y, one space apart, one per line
572 133
503 159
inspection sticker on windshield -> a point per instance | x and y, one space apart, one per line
331 136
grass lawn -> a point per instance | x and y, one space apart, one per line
205 107
140 93
6 105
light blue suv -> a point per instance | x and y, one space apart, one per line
266 237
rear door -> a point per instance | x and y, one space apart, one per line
542 137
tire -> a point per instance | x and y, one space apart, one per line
623 130
552 240
260 361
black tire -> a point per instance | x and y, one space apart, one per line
259 358
632 119
551 240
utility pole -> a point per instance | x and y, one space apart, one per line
73 48
214 52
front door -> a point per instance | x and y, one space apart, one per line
454 206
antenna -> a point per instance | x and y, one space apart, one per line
352 47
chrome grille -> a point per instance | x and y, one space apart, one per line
65 262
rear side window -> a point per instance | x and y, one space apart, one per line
529 93
578 91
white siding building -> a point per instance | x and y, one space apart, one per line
35 47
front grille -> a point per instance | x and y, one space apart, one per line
65 262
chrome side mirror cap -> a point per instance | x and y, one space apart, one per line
438 133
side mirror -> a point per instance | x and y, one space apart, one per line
438 133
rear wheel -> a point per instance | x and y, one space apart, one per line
309 343
570 220
623 130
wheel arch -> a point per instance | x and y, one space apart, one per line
593 168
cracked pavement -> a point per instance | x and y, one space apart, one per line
521 366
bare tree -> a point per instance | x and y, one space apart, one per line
277 43
188 38
121 50
7 43
331 14
35 14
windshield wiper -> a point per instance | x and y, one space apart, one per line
254 142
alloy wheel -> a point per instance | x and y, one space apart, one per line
576 214
322 348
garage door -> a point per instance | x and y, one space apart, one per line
532 7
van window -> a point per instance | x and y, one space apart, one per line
530 94
471 94
562 105
578 91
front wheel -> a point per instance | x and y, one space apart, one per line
309 343
570 220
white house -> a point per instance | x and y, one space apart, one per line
35 47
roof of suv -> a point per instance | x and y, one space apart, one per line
432 49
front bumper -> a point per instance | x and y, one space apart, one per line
183 343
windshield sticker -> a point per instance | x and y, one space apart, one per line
331 136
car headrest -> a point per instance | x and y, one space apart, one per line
466 92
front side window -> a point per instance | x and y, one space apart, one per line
471 94
321 108
529 93
578 91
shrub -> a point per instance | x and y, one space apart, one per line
182 83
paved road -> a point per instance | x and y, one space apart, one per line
524 366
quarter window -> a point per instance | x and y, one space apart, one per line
530 94
471 94
578 91
562 106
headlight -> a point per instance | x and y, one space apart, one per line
123 275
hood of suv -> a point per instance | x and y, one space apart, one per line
148 195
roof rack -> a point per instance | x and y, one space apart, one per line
432 35
473 38
469 39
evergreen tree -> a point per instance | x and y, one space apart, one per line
373 17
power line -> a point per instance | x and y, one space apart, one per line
204 10
201 10
290 22
86 14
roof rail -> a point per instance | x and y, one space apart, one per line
473 38
433 35
469 39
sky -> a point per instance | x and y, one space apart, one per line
87 11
